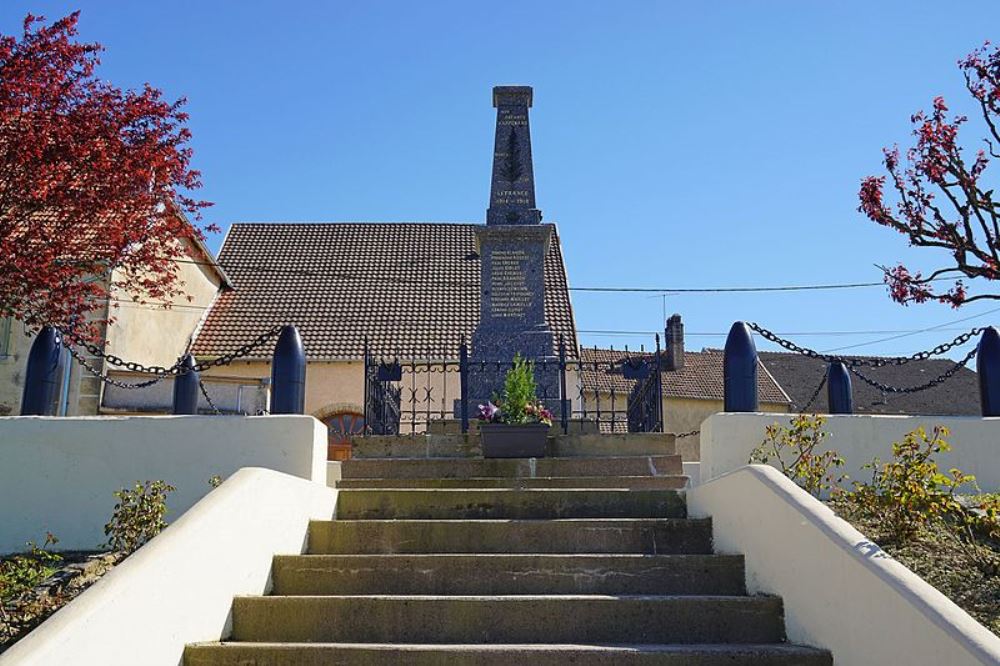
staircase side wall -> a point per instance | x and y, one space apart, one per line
179 588
841 591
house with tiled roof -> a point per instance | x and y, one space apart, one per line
692 387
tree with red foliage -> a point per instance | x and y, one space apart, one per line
93 183
941 199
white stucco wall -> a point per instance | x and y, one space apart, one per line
179 588
840 590
728 439
58 474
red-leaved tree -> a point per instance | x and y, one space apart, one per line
93 183
941 197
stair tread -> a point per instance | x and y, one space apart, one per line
534 647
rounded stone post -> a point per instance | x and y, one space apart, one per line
988 369
739 370
288 374
186 388
839 395
43 374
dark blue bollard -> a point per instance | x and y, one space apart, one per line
838 389
186 389
288 374
43 375
739 370
988 368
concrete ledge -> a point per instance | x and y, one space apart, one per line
58 474
840 590
728 439
179 588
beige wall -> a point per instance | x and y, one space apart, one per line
155 335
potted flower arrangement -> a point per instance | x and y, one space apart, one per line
516 424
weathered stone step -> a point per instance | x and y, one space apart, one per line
515 504
630 482
479 574
642 535
509 619
459 468
558 446
368 654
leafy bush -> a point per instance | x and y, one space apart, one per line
793 449
909 491
138 515
21 573
215 480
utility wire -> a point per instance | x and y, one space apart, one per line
916 332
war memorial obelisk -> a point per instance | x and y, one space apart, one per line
512 246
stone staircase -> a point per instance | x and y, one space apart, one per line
581 560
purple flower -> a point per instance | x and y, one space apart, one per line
489 412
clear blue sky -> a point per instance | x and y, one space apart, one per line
676 144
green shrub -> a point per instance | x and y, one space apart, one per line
21 573
518 391
793 449
138 515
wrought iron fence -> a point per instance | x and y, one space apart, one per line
617 391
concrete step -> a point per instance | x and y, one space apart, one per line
368 654
513 504
559 446
644 535
509 468
509 619
479 574
628 482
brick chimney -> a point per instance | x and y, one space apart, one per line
674 339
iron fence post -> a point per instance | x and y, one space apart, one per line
186 388
288 373
564 415
463 379
41 378
658 369
739 369
838 389
988 368
367 410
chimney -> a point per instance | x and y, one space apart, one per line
674 339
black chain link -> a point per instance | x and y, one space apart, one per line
178 368
855 362
682 435
208 399
815 394
940 379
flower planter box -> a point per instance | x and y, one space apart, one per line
502 440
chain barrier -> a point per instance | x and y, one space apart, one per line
177 368
940 379
815 394
208 399
871 362
682 435
108 380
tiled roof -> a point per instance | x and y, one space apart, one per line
800 375
411 288
700 378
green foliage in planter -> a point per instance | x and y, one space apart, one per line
519 392
21 573
793 449
138 515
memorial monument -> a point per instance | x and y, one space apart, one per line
512 246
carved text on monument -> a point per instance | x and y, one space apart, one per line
510 295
